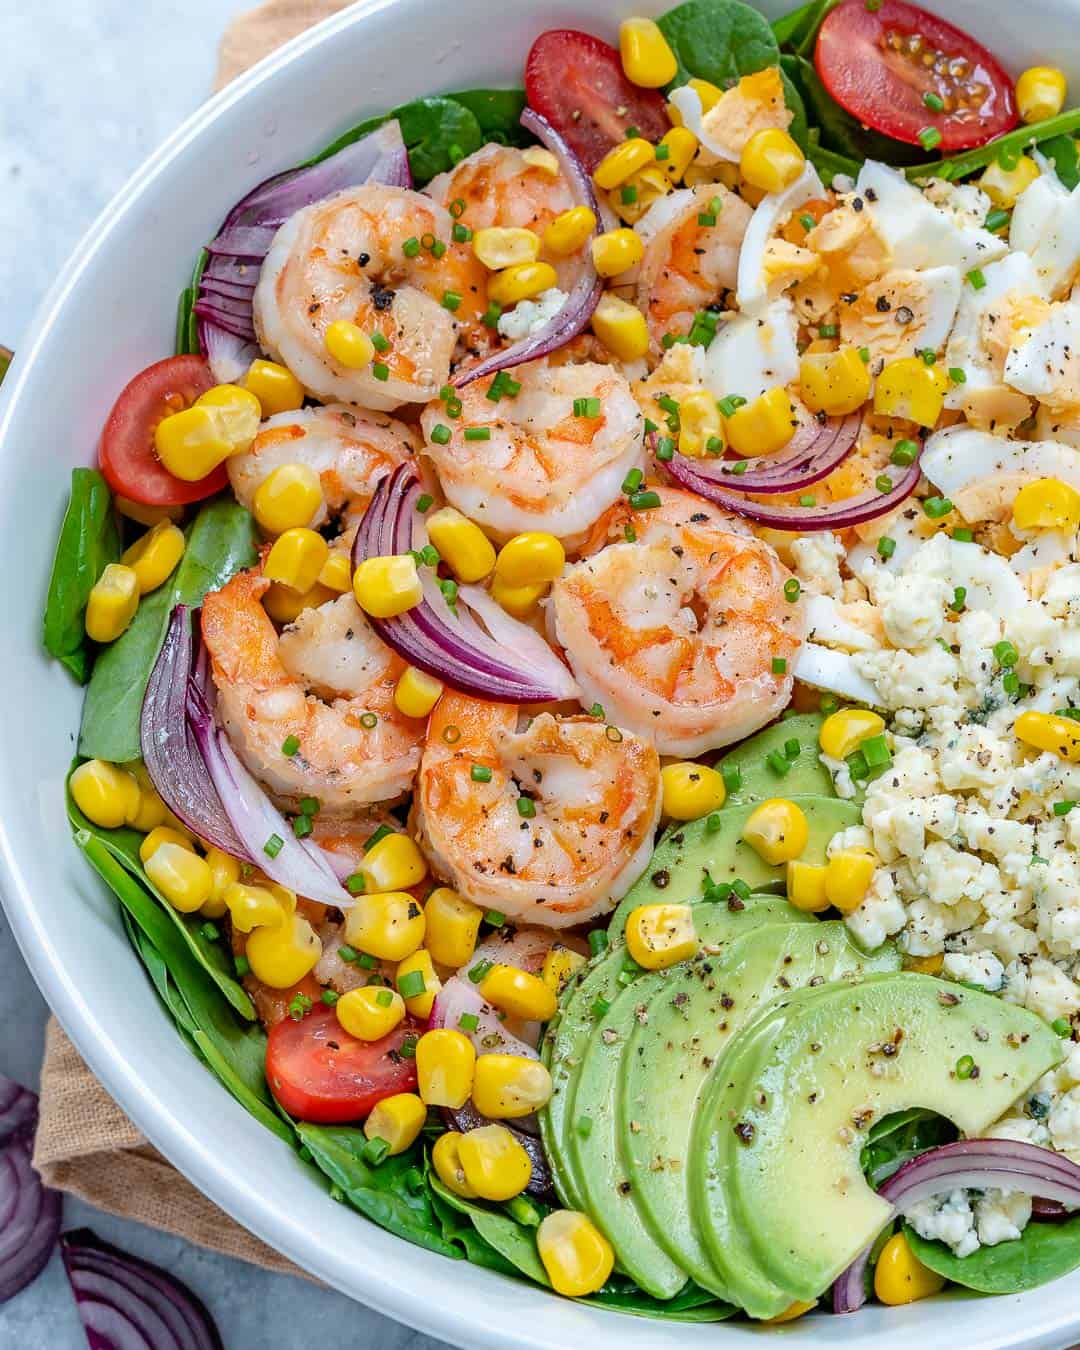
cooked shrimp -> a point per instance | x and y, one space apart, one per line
346 258
350 449
595 795
544 466
327 680
687 264
680 629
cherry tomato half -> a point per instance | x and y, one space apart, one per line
128 460
880 65
577 82
318 1072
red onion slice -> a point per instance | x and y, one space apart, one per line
513 665
811 454
458 997
18 1108
29 1212
125 1302
582 300
977 1164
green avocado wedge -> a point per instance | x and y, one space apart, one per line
782 760
781 1123
712 849
679 1036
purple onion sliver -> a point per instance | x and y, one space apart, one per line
33 1224
18 1108
1048 1211
794 467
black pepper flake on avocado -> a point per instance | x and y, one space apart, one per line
623 1188
734 903
947 999
744 1132
660 878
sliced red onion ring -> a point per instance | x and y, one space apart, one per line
459 997
226 325
811 454
579 305
29 1212
508 663
125 1303
18 1108
833 516
977 1164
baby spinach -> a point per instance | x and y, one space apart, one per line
515 1243
220 542
1062 150
799 29
437 133
89 541
839 131
1043 1252
898 1138
718 40
498 111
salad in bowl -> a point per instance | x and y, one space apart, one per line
582 661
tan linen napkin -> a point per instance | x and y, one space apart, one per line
85 1144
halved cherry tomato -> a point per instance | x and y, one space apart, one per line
880 64
128 461
318 1072
577 82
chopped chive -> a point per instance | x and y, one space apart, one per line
827 330
411 985
963 536
808 499
1062 1026
732 776
628 194
600 1007
807 221
451 300
457 208
478 433
480 773
329 997
730 404
380 341
792 748
933 101
408 1047
347 953
864 355
273 846
438 248
959 599
365 961
299 1007
886 547
377 836
374 1151
828 704
857 765
309 806
665 449
369 720
630 534
302 826
905 452
779 763
875 751
440 434
632 481
380 370
411 247
645 501
632 133
468 1021
929 356
210 931
598 941
290 745
355 883
936 507
1005 654
526 808
929 138
716 205
883 483
429 555
706 218
996 220
976 278
713 822
491 315
957 375
477 973
792 589
496 918
662 152
715 446
965 1067
586 407
241 965
384 998
461 234
584 1126
597 710
1063 808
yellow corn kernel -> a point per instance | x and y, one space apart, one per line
371 1012
701 428
1003 186
682 146
900 1277
416 693
569 231
162 834
1047 731
637 194
224 872
462 544
417 971
284 953
777 830
500 246
153 557
446 1160
453 924
181 876
284 605
147 515
296 559
256 906
710 95
647 60
105 794
835 383
614 251
1047 504
275 386
925 965
910 388
806 886
661 935
848 875
761 427
445 1065
691 790
388 925
843 732
576 1255
289 497
520 601
398 1120
152 811
349 345
621 327
506 1087
114 598
623 161
518 993
790 1313
536 157
559 965
1040 93
495 1164
523 281
393 864
336 572
532 558
387 586
193 442
771 160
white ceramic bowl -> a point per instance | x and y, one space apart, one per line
111 313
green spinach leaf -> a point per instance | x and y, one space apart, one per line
89 541
437 133
512 1240
498 111
458 1229
798 129
690 1304
898 1138
219 543
839 131
1062 150
798 29
718 40
1043 1252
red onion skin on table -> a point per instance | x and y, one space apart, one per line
29 1212
977 1164
578 307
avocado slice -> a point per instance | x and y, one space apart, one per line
759 779
596 1160
804 1086
713 848
685 1028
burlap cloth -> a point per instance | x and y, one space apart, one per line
85 1143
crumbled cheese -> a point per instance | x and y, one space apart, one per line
817 562
981 968
1001 1216
949 1219
529 316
